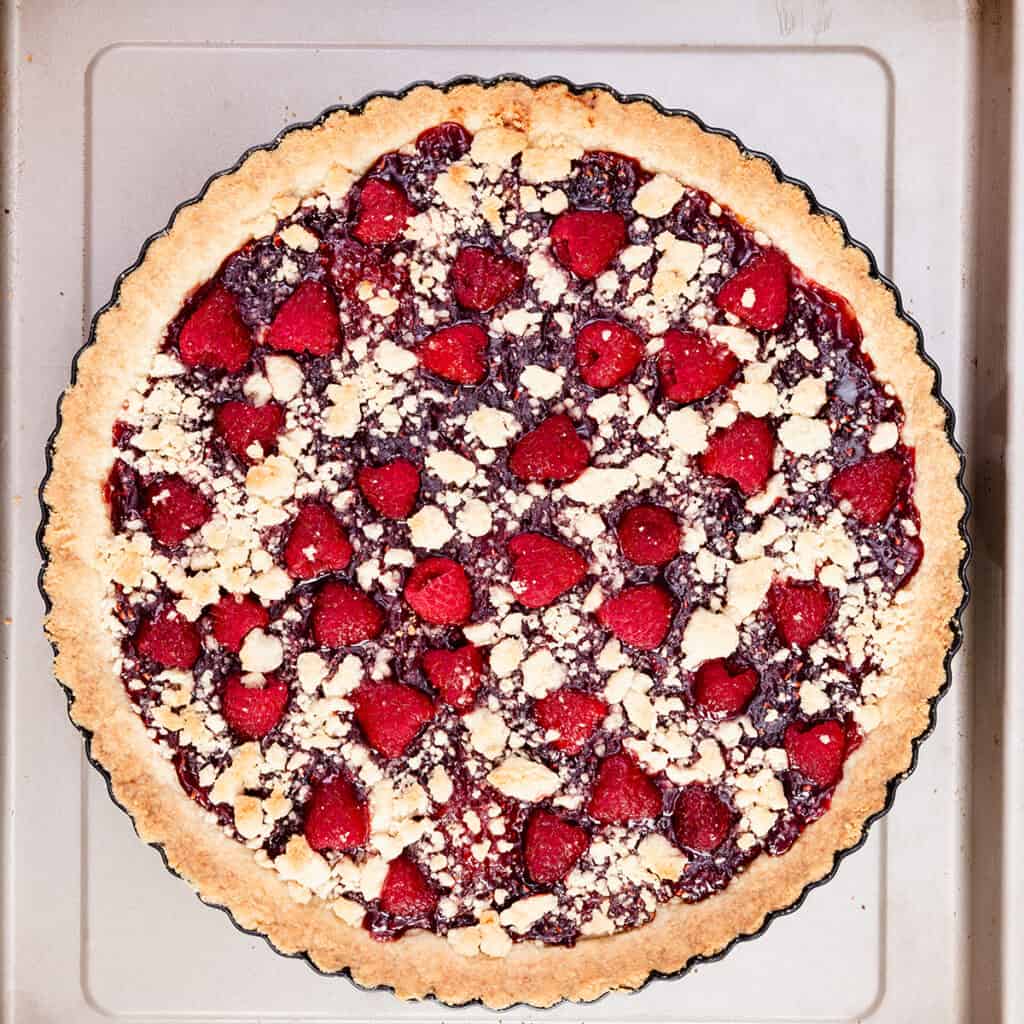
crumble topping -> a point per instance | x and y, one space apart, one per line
497 547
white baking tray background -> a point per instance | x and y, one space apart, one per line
117 111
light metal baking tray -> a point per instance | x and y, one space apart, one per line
897 115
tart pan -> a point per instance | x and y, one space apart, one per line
955 623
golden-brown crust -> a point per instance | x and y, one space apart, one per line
239 206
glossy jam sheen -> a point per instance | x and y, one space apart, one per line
604 181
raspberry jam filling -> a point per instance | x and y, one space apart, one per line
503 545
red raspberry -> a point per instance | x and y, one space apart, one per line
243 425
543 569
586 241
623 792
168 638
214 335
482 278
649 535
801 611
455 674
758 293
551 451
344 616
456 353
573 714
871 486
391 715
742 452
235 617
173 509
691 367
382 212
336 819
552 847
720 692
438 590
317 543
307 321
406 892
253 709
391 489
639 616
607 353
701 821
817 751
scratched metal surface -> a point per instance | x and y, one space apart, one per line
116 111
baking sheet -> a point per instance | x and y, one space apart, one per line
121 110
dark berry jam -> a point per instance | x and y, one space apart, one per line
364 403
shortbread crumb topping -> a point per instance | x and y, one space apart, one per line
509 543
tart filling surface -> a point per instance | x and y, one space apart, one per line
512 540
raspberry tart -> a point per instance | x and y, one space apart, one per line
503 542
